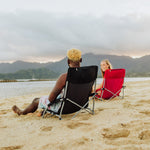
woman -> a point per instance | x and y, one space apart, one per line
105 65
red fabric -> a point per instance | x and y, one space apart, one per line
113 81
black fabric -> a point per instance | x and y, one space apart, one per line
80 81
78 93
82 74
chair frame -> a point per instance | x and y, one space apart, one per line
64 99
113 94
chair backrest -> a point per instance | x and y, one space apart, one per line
113 81
78 87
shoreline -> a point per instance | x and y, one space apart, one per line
27 80
15 89
36 80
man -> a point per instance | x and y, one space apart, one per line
74 60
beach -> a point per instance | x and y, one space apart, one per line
119 124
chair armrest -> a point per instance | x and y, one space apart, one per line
55 101
123 86
92 94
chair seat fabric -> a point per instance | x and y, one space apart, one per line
112 83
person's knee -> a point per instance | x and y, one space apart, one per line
35 101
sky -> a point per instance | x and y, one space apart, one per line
43 30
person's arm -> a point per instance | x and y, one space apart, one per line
60 83
97 87
100 86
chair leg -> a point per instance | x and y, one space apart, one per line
93 112
93 105
44 112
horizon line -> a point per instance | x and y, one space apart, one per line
57 60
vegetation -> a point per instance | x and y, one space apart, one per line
41 73
134 67
44 74
8 80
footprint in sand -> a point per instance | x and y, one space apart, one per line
3 112
127 105
144 101
88 116
11 147
132 147
98 110
136 125
146 112
115 133
144 135
81 141
85 117
2 104
44 128
3 127
74 125
133 133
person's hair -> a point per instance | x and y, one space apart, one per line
109 66
74 55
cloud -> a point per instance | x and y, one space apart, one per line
44 35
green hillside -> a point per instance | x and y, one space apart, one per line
41 73
24 70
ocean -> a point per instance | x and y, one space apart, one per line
13 89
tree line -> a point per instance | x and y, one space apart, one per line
40 73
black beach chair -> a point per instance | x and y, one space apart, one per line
77 91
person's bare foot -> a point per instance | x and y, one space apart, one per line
16 110
40 113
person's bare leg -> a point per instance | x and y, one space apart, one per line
16 110
30 109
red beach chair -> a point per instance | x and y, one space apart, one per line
112 84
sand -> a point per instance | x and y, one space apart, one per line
119 124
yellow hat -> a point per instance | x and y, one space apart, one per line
74 54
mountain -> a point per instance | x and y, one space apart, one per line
20 65
134 67
92 59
